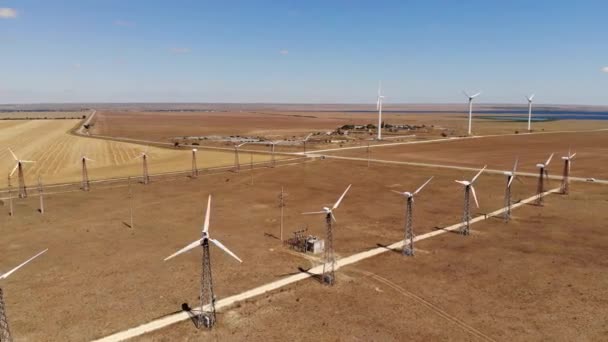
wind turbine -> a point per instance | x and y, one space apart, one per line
510 177
144 159
470 97
379 102
207 317
542 173
19 168
530 98
237 165
408 243
194 167
468 189
85 172
565 188
5 333
329 262
305 141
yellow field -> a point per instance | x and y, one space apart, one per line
57 154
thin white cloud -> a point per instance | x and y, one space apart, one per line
179 50
284 52
605 69
7 13
124 23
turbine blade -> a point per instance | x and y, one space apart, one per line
515 165
14 156
465 183
475 95
478 173
27 161
308 137
207 214
220 245
398 192
185 249
314 212
378 103
572 156
7 274
466 94
549 160
422 186
241 144
341 197
14 169
531 98
332 216
510 180
474 196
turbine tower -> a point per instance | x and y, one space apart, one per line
237 164
144 159
305 141
408 243
5 333
329 262
206 318
542 174
468 189
19 168
379 102
565 188
85 172
194 166
530 98
273 160
470 97
510 177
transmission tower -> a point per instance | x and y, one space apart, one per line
329 262
194 167
146 177
5 333
466 217
85 175
408 247
206 318
41 209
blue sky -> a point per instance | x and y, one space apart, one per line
303 51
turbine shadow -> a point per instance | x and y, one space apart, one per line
126 224
270 235
191 314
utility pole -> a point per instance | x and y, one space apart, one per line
131 204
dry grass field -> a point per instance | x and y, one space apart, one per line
57 154
100 276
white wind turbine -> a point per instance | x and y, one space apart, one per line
530 98
19 168
144 159
542 174
207 317
470 97
5 333
408 243
468 189
194 173
379 102
329 262
510 177
565 188
237 164
85 172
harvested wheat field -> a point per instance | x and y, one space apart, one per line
57 154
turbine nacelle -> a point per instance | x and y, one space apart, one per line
410 195
330 211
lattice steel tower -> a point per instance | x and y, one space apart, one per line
408 247
5 333
146 176
329 262
466 217
565 186
21 177
507 213
194 166
206 318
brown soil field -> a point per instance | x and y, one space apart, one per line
287 124
500 152
538 277
100 276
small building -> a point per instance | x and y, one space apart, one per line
315 245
